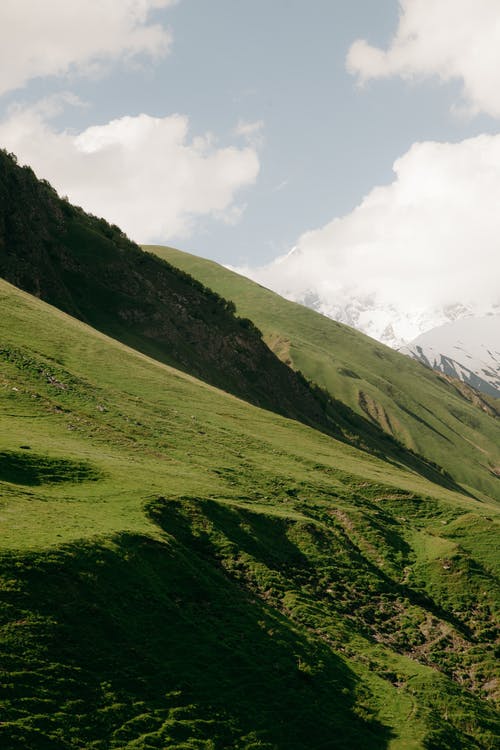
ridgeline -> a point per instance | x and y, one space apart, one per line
183 567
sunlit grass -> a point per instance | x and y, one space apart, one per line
181 569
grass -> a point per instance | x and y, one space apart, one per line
413 404
181 569
17 467
92 271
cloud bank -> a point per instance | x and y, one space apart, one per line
425 248
425 242
57 37
144 173
450 39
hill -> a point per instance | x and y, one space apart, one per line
181 569
91 270
188 567
450 426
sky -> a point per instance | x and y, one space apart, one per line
363 134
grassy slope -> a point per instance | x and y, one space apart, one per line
180 569
92 271
407 400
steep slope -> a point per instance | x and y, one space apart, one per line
91 270
468 350
416 406
180 569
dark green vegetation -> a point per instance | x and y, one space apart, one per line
440 420
18 467
90 270
181 569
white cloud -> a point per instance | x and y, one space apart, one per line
425 242
57 37
143 173
251 132
451 39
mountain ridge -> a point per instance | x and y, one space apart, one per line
420 408
91 270
468 349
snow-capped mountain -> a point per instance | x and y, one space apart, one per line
467 349
394 315
392 325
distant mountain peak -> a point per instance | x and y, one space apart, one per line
387 322
467 349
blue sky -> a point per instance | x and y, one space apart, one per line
324 142
238 129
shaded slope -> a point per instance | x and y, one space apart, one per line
161 649
92 271
221 576
416 406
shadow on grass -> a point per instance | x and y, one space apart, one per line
33 469
149 644
256 551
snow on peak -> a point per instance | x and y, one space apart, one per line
468 349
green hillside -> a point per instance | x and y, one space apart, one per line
445 422
180 569
260 567
92 271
